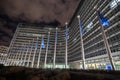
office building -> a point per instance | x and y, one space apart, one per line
94 48
23 52
3 53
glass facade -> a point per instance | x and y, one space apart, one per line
94 48
95 52
3 50
22 50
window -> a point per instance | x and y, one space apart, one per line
114 3
74 40
89 26
118 1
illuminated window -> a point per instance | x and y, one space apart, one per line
74 40
118 1
89 26
114 3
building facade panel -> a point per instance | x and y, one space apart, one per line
92 39
23 49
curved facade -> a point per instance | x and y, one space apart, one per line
94 48
21 54
3 50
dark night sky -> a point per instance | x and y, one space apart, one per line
47 12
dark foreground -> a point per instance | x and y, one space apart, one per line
22 73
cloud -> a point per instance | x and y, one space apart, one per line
35 11
5 30
46 12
